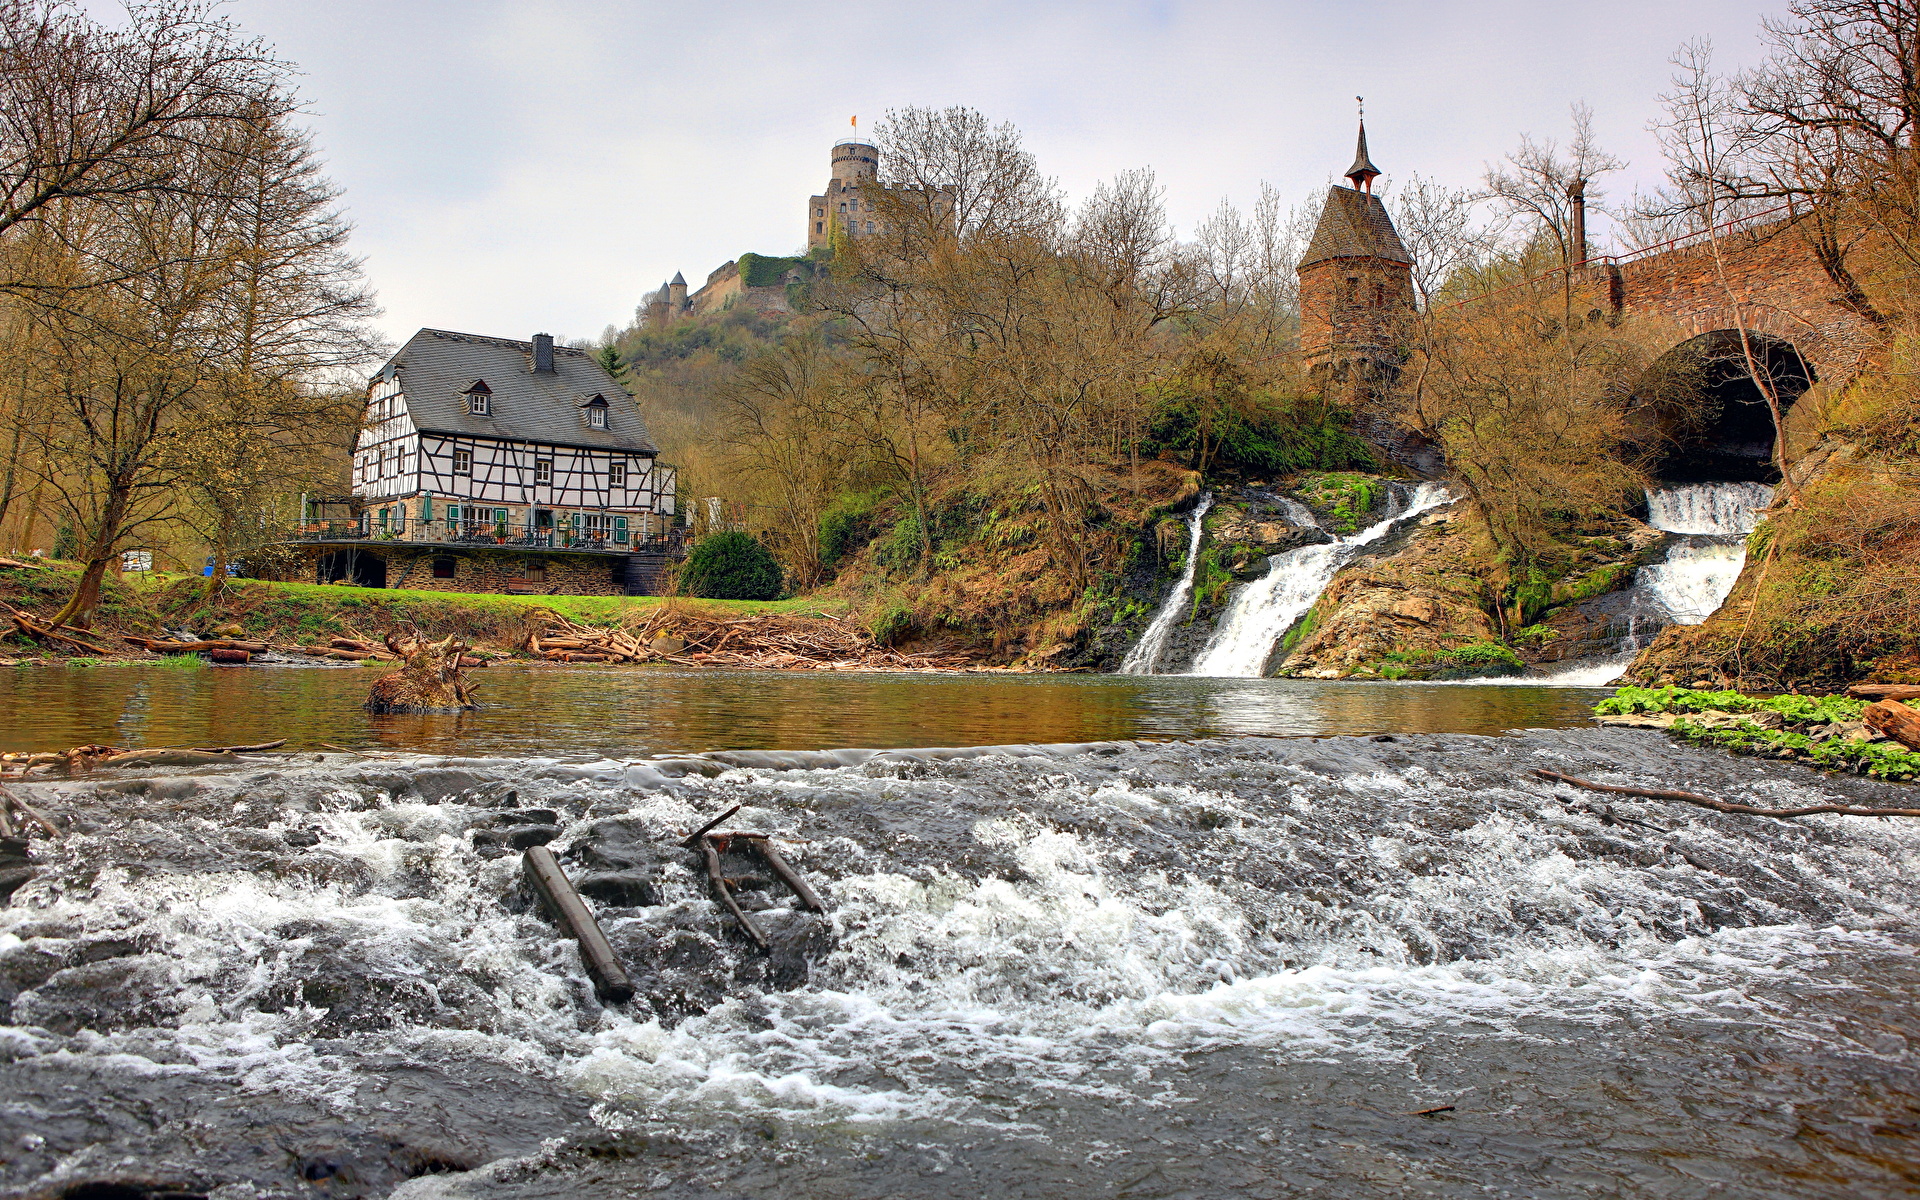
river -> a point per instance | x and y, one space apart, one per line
1226 963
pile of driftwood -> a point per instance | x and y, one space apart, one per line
54 636
81 759
776 641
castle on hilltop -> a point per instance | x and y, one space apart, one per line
846 210
847 207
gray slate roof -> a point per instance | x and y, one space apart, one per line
1354 225
436 368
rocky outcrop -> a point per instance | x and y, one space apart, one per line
1406 602
1414 608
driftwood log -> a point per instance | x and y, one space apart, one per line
1884 691
46 631
795 882
610 980
1892 719
430 679
1727 806
718 882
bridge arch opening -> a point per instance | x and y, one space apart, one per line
1705 414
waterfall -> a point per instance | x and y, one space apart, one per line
1721 509
1713 520
1264 610
1145 654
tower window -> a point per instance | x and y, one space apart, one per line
463 462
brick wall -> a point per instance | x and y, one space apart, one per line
1354 307
1778 285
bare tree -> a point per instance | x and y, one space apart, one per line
1441 230
1546 190
91 114
1695 135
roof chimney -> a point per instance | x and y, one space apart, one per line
543 352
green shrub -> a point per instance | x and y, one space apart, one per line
1262 434
846 525
731 566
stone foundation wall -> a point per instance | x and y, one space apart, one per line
494 570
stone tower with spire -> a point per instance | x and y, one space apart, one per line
1356 297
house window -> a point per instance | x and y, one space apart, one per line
463 462
543 470
599 526
597 412
443 568
478 403
617 473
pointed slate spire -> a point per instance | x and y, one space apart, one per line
681 279
1362 172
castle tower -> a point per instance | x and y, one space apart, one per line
1356 294
677 295
657 308
848 203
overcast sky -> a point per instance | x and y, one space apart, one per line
521 167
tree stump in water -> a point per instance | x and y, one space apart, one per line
431 678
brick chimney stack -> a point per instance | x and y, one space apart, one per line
543 353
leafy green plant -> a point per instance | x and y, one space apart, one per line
1794 709
730 566
1485 656
1347 496
1876 759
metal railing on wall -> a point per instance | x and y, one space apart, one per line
595 533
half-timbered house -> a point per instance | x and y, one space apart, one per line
486 464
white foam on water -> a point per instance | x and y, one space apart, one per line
1694 580
1266 608
1074 973
1722 509
1145 655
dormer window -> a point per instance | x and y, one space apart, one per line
596 412
480 399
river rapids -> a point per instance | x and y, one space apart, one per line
1236 966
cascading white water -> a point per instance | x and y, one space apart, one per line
1145 654
1699 572
1265 608
1722 509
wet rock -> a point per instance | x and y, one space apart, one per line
525 816
516 837
301 837
435 785
624 889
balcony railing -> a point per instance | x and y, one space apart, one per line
636 537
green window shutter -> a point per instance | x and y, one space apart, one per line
453 512
619 529
499 514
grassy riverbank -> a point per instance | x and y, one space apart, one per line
298 612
